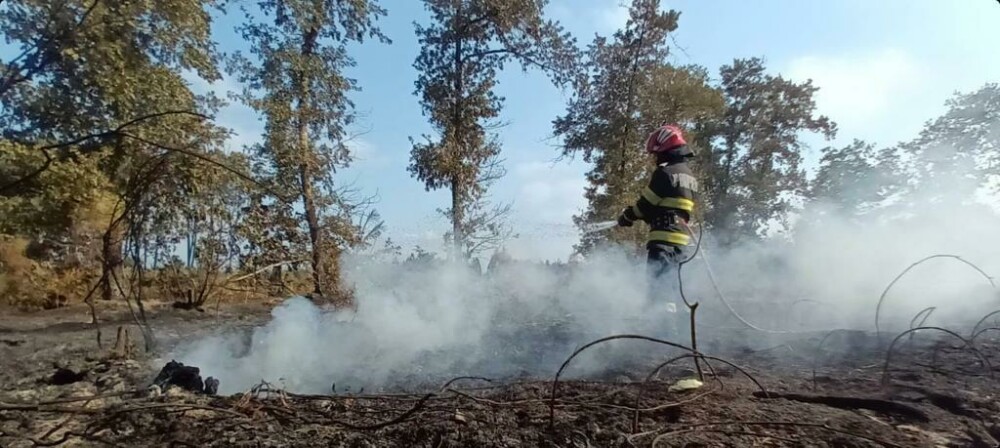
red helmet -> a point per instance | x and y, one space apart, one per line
664 139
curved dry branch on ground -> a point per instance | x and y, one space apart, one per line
881 299
401 418
983 320
555 381
819 350
649 377
460 378
926 313
968 344
980 332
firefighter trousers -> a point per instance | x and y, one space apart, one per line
664 290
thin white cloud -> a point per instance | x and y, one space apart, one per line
548 194
860 92
363 150
586 17
614 15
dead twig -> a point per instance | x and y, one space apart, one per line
555 381
420 404
69 435
968 344
649 377
983 320
60 426
926 313
739 369
401 418
692 307
89 300
980 332
76 399
819 348
854 403
44 408
881 299
453 380
730 432
659 407
211 161
175 406
820 426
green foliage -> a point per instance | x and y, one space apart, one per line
958 151
28 284
68 198
462 50
87 65
953 156
854 180
753 170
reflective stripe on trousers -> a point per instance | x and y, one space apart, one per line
670 237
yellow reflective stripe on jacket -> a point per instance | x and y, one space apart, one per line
670 237
678 203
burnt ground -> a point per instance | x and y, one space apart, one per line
58 389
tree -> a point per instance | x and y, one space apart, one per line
958 153
628 90
62 209
102 63
854 180
104 79
468 42
753 170
296 80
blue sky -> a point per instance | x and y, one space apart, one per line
884 67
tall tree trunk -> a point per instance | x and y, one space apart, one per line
725 207
457 210
305 170
111 258
106 267
457 215
634 73
312 216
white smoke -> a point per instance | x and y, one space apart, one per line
419 322
424 321
831 269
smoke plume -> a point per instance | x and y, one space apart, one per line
418 322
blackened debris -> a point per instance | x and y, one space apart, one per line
185 377
211 386
12 342
64 376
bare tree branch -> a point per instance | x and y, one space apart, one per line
31 175
99 135
270 266
210 161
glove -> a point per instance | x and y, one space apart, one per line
623 219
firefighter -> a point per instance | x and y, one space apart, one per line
666 205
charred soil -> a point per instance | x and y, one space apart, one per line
58 389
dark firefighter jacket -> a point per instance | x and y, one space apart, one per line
668 198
